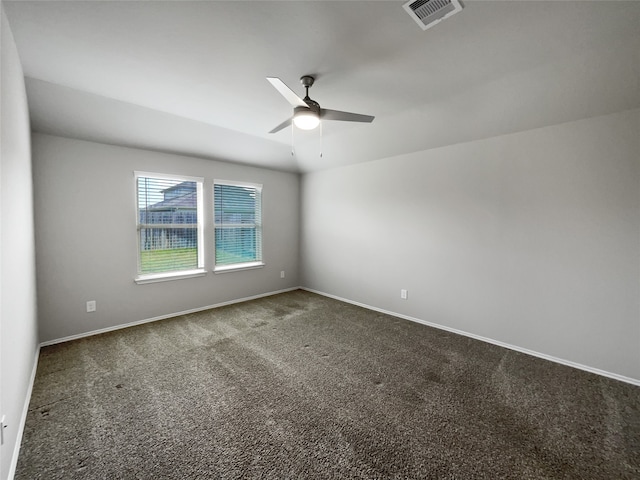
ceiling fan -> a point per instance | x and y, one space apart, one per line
306 112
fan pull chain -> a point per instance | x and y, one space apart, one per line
292 149
320 139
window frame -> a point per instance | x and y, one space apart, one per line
258 225
142 278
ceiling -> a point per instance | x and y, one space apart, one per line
189 77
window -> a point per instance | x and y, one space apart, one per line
169 218
238 225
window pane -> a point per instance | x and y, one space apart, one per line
172 205
238 223
159 194
168 249
236 245
235 205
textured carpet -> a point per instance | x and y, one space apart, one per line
302 386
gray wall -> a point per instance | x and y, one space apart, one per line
531 239
86 236
18 316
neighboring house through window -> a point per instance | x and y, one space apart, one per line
170 226
238 225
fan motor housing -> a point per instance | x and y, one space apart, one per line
311 108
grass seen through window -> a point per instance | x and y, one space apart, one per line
155 261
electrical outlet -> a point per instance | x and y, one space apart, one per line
91 306
282 274
3 425
403 294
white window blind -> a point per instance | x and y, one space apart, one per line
169 225
238 224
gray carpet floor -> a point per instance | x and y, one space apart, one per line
300 386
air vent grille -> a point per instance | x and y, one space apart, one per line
427 13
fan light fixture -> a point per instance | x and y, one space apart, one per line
306 119
307 112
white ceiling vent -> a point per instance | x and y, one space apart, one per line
427 13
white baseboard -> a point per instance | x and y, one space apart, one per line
23 418
544 356
163 317
25 409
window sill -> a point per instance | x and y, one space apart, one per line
236 267
165 277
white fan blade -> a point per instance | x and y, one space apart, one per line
284 124
326 114
286 92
